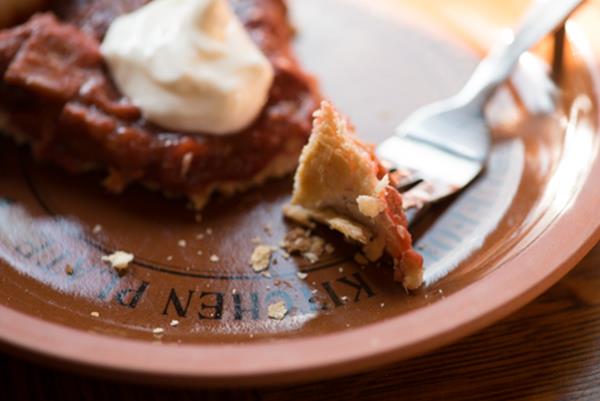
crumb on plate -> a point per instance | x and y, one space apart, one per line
261 258
301 241
311 257
119 260
69 269
277 310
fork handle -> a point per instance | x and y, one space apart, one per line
545 17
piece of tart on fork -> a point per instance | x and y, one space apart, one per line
341 183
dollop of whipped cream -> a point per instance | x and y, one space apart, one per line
189 65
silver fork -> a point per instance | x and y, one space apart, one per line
443 146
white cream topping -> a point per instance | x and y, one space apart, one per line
189 65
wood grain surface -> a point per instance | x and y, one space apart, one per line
549 350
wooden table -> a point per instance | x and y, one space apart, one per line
549 350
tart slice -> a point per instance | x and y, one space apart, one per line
58 96
341 183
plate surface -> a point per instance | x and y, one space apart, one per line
520 228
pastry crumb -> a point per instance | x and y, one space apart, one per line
370 206
256 240
266 274
329 248
119 260
174 323
311 257
209 231
181 243
214 258
261 258
158 330
170 258
301 275
382 304
300 241
199 253
200 236
69 270
97 228
94 314
277 310
344 298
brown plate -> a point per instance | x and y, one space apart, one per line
520 228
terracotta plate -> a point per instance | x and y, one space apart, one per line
521 227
